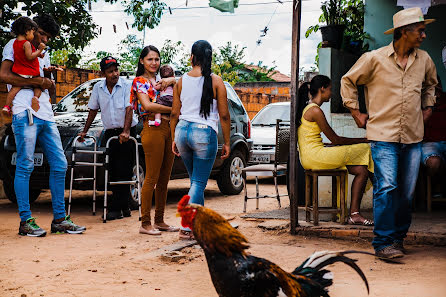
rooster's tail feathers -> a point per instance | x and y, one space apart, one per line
318 260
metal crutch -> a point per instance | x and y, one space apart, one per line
74 163
130 182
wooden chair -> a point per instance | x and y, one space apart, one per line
429 197
278 168
311 186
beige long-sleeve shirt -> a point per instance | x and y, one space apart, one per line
394 96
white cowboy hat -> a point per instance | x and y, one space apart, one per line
406 17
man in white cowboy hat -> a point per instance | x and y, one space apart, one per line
399 82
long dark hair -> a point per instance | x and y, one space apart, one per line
202 56
145 51
319 81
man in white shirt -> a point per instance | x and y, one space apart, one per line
29 126
112 96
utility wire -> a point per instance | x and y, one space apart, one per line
259 41
201 7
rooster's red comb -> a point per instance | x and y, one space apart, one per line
183 202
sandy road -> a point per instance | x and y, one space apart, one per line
114 260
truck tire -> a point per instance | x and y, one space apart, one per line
8 186
229 180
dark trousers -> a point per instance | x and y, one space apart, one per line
121 168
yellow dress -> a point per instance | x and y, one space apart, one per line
314 155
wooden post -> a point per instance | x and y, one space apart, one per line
295 49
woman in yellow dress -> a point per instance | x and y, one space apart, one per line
351 153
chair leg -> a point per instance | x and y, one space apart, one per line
315 200
277 190
246 191
429 193
334 196
307 197
257 192
342 198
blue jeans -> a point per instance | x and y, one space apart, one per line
396 172
433 149
197 145
49 139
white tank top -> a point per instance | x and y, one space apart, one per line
191 91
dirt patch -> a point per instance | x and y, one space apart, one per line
113 259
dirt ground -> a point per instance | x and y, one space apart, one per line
112 259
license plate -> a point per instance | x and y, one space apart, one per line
260 158
38 159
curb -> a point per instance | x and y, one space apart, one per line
413 238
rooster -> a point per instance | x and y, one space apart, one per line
234 273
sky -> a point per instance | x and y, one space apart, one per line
190 23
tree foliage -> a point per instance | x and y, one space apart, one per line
146 13
93 63
129 51
228 62
77 26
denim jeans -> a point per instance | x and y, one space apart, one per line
396 172
197 145
433 149
47 135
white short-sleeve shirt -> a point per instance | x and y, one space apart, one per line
22 100
112 105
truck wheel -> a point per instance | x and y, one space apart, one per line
230 181
8 186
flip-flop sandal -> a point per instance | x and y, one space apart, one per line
166 229
366 222
186 235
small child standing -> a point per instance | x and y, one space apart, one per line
166 96
26 63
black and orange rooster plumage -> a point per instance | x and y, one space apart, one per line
234 273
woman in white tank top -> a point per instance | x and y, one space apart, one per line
199 102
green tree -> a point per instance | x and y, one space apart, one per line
68 57
93 63
130 49
146 13
77 27
174 53
228 62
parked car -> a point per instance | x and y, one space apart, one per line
70 116
263 131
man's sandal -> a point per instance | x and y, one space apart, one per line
365 222
186 235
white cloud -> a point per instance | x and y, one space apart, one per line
242 28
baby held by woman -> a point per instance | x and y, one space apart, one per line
166 96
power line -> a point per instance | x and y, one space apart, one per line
259 41
200 7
